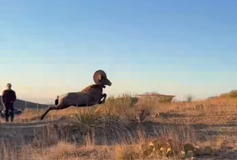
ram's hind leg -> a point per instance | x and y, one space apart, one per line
59 107
104 97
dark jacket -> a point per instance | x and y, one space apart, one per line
8 96
56 101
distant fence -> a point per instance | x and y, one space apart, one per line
19 104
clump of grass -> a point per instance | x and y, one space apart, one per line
47 136
89 119
127 107
126 153
138 115
29 115
62 150
109 116
8 151
120 104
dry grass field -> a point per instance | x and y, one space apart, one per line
122 129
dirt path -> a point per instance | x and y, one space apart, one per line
32 125
19 134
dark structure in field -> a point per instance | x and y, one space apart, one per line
157 96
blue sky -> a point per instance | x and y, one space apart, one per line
171 47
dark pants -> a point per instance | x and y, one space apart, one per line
9 110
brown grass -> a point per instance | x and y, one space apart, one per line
118 129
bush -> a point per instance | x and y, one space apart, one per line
120 105
126 153
89 120
189 98
233 94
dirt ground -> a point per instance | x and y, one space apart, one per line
212 123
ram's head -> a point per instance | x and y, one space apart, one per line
100 78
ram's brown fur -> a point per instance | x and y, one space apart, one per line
94 93
89 96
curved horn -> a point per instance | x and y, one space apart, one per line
98 75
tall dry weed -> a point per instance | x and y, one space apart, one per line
89 120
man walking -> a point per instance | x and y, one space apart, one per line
56 100
8 99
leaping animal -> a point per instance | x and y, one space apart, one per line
89 96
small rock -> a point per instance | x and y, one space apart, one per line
182 155
198 151
190 154
188 147
162 151
169 152
143 147
208 150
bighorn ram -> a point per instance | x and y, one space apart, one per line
89 96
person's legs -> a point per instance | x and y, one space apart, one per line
3 113
12 112
6 112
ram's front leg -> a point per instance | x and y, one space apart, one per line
104 97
